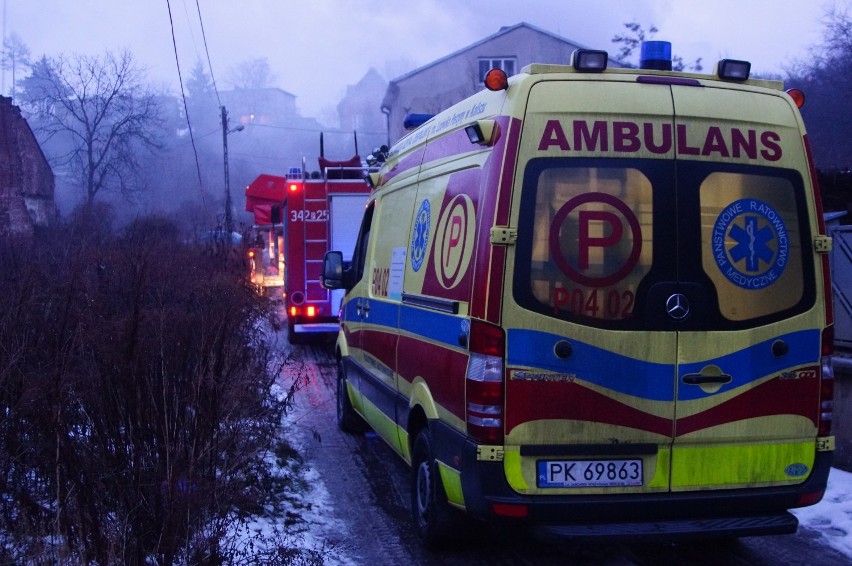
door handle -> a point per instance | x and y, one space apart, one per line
366 309
700 379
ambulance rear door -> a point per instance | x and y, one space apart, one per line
744 300
591 379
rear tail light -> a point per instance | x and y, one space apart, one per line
484 383
826 391
809 498
826 384
309 311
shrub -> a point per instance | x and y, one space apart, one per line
135 394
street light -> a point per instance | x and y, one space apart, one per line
229 221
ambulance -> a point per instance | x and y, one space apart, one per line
595 302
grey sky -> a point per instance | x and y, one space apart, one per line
318 47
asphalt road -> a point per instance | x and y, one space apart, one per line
370 488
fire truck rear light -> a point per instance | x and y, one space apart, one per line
311 311
294 311
293 187
733 70
798 96
590 60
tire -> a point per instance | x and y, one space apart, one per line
347 419
435 520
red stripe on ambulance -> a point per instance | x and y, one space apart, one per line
446 391
533 401
774 397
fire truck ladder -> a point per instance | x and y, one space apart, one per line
317 236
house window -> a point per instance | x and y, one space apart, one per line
486 64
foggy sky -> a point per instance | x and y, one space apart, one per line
318 47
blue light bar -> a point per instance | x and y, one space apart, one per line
656 55
411 121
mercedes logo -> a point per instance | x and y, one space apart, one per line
677 306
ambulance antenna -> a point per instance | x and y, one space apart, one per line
322 149
355 135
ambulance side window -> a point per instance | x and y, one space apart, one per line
359 256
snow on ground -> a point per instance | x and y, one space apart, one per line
832 516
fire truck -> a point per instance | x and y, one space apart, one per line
297 218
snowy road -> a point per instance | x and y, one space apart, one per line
360 506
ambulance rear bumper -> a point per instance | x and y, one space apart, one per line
657 531
664 515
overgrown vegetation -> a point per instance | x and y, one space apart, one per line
136 398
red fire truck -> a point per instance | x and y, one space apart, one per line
297 218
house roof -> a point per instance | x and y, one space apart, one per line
504 30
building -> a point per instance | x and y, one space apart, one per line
358 111
453 78
26 180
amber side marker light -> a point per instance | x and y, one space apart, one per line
798 96
496 79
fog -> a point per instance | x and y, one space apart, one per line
315 49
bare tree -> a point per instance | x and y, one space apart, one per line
251 74
101 116
16 56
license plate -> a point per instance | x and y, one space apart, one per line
589 473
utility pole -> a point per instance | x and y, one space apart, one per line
229 221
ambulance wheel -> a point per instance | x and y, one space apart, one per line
436 521
347 419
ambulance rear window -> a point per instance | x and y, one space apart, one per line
610 242
751 243
590 241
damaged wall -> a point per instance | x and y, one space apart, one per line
26 180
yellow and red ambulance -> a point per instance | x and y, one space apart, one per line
596 301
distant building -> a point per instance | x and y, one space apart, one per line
453 78
261 106
26 180
358 111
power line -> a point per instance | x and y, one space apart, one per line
186 111
207 51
